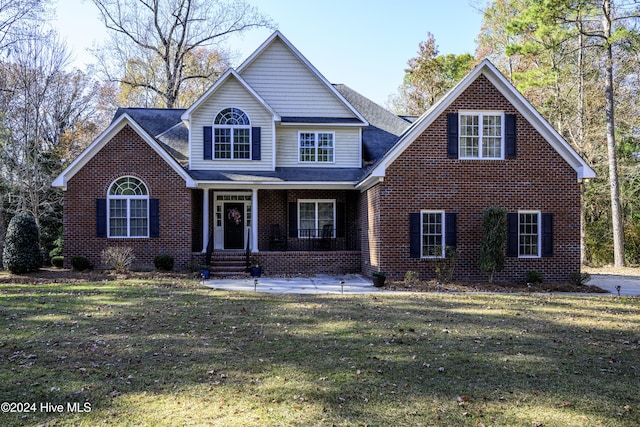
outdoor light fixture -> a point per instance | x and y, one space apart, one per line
255 285
618 287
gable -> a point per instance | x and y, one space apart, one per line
232 92
106 137
290 84
504 97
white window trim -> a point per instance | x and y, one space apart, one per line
539 214
232 128
316 201
315 133
443 236
111 197
480 115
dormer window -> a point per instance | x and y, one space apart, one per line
231 135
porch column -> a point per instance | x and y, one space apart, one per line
205 220
254 220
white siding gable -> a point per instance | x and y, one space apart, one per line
290 87
231 93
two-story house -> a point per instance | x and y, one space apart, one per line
312 177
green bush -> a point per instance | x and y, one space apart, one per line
80 263
163 262
534 277
58 248
492 253
579 279
57 261
22 252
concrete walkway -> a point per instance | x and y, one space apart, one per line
357 284
629 285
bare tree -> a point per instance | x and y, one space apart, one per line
152 42
13 15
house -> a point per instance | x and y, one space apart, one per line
312 177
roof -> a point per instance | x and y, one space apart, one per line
384 130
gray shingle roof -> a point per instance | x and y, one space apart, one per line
384 130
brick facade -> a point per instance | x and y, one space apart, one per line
128 155
423 178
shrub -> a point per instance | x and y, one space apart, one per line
80 263
492 249
163 262
534 277
58 248
411 278
22 248
119 258
57 261
579 279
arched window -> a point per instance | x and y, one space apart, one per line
231 135
128 201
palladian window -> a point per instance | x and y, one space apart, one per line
128 208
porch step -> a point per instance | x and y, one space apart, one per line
225 264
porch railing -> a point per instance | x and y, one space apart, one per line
310 239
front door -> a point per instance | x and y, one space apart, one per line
234 225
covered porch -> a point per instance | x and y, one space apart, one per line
288 231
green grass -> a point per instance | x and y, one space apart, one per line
173 353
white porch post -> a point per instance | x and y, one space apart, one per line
254 220
205 220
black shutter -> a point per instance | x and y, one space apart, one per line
451 229
512 234
101 217
154 218
414 235
255 143
293 219
207 137
510 145
547 235
452 135
340 219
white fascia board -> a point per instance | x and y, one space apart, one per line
316 125
105 137
283 185
314 70
186 116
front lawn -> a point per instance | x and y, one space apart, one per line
169 352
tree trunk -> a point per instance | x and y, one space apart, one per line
616 211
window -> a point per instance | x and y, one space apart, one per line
432 232
529 237
316 216
231 135
316 146
128 208
481 135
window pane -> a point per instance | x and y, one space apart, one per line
491 136
241 144
307 219
325 147
222 143
138 221
307 147
118 218
528 234
432 234
469 136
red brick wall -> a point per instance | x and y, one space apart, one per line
128 155
424 178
